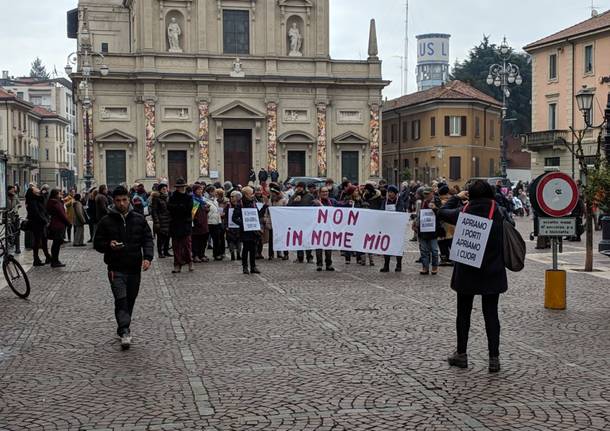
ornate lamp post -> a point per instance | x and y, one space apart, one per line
84 58
584 100
604 245
503 75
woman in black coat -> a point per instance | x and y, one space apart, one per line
38 223
489 281
248 238
180 206
161 219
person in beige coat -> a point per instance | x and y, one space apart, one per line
79 221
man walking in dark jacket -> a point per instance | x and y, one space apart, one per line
127 243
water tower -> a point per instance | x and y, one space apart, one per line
432 60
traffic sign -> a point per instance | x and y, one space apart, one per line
557 226
557 194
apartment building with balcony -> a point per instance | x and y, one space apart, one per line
53 95
19 131
562 65
450 131
33 142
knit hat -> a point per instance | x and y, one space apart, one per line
427 190
392 189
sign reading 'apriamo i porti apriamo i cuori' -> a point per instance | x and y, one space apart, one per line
470 239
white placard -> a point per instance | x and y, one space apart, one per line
214 175
390 207
250 219
556 226
427 221
470 239
330 228
232 225
259 205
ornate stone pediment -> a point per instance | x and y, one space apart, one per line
237 111
350 138
176 136
115 136
284 3
296 137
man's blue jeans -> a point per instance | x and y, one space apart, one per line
428 249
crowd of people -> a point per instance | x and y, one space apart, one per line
199 223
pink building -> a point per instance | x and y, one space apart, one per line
562 65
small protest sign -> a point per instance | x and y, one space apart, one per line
232 225
470 239
427 221
251 220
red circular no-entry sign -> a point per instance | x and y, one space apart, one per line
557 194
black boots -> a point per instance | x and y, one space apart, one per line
459 360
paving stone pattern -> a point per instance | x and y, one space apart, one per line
294 349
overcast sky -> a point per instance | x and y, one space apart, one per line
30 28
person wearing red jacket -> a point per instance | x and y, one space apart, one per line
58 225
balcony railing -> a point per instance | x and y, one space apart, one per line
547 139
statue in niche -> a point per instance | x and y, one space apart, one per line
296 41
173 34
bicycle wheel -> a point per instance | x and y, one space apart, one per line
16 277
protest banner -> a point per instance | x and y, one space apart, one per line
470 239
232 224
329 228
427 221
251 220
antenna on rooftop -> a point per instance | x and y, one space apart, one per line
405 90
594 11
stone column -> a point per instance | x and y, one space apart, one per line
150 122
321 115
272 135
374 138
204 138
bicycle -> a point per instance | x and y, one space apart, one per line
14 274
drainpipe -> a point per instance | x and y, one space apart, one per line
399 139
572 101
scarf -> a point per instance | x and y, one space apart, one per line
198 202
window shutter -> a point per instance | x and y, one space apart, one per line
463 128
447 127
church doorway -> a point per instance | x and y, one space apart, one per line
349 165
116 168
238 155
296 163
176 166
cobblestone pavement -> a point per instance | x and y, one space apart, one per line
293 349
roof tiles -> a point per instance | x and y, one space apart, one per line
453 90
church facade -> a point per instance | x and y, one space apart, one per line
206 90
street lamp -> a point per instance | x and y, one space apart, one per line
584 100
84 59
604 245
503 75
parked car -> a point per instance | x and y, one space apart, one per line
293 181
